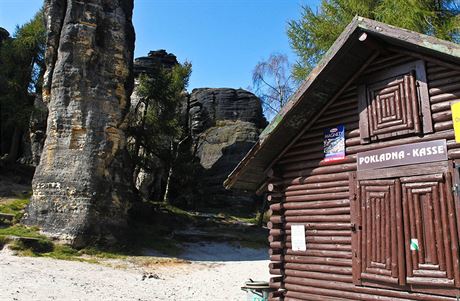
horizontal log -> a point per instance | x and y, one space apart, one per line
348 290
274 188
430 273
272 238
312 212
353 141
442 126
442 116
315 218
277 219
321 225
443 97
272 198
453 87
430 281
441 106
276 207
320 186
271 225
318 268
316 178
348 115
440 83
432 76
315 246
317 260
453 153
329 294
276 232
325 232
276 272
318 155
277 257
317 197
275 265
320 253
301 164
379 278
317 204
325 239
275 252
322 170
319 275
345 121
277 245
301 296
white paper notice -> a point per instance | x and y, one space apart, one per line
298 238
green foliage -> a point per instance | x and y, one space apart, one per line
157 127
312 35
21 73
15 207
21 231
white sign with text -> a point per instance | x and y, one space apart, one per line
298 238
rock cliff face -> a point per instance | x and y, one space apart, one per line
4 34
148 64
81 187
225 123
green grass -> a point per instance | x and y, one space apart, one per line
21 231
15 207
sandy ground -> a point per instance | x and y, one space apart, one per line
205 272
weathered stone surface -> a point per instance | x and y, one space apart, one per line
225 124
34 137
148 64
4 34
82 185
37 129
210 105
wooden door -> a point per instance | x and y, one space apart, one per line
430 231
378 235
405 233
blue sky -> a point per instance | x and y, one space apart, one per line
224 39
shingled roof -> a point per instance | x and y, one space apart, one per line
346 57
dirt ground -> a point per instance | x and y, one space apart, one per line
213 271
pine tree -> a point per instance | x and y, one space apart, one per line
314 32
21 72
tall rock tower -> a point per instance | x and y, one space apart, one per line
82 185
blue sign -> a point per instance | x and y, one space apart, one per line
334 143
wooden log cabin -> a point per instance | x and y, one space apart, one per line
380 216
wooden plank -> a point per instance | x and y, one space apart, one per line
403 171
355 221
453 230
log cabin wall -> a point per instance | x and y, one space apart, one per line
304 189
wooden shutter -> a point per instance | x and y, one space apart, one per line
378 236
430 220
394 102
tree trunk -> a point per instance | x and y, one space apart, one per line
14 147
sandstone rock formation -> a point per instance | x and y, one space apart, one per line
37 130
225 123
4 34
81 187
148 64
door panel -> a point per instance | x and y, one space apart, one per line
430 231
379 235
